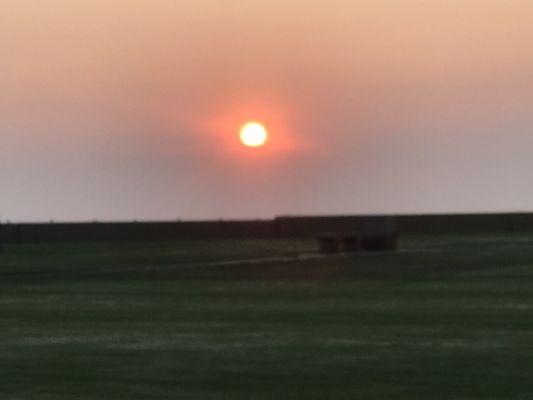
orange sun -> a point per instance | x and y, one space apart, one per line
253 134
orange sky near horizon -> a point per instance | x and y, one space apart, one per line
131 109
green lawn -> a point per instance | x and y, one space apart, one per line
446 317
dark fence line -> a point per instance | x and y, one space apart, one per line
281 227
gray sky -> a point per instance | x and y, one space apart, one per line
115 110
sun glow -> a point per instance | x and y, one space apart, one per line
253 134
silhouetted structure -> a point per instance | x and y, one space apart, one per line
351 234
380 242
356 242
329 244
352 243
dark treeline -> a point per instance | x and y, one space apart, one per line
281 227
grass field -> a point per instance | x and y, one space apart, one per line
445 317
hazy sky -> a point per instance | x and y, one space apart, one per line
123 109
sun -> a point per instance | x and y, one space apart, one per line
253 134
